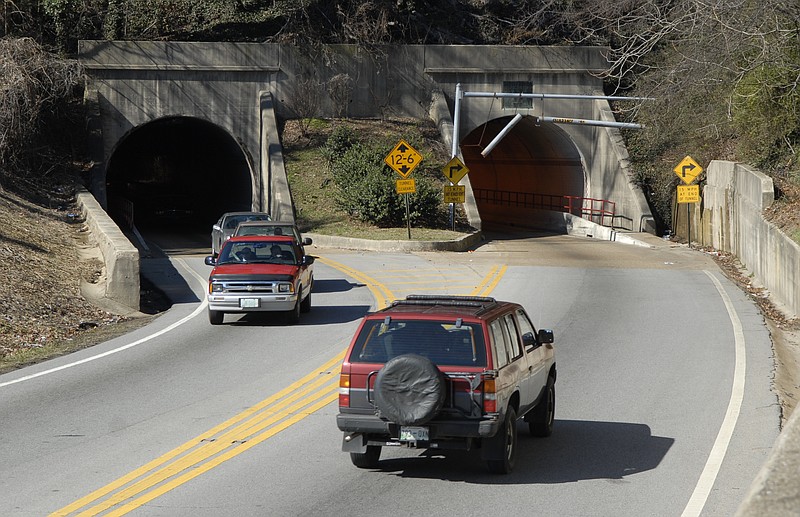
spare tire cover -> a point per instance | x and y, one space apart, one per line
409 390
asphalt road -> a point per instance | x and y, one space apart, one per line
664 404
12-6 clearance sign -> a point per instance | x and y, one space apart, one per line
403 159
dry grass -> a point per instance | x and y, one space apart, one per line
43 309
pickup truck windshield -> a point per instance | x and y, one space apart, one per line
260 252
442 342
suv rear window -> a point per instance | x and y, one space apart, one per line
443 342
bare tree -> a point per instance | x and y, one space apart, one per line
31 80
305 101
340 88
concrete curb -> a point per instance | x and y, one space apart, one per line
775 491
332 241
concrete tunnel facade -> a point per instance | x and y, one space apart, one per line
222 103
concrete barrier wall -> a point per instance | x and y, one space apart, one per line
734 198
120 257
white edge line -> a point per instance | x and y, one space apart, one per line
709 475
145 339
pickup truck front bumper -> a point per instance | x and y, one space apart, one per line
251 303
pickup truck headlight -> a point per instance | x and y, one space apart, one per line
285 288
214 287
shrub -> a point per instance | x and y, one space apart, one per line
366 187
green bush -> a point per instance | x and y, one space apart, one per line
340 140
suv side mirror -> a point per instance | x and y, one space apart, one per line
210 261
307 241
307 260
545 336
216 227
528 340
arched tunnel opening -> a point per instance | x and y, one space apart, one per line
177 172
529 174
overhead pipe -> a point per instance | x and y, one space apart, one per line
501 135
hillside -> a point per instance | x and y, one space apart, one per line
43 312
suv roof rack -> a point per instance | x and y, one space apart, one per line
446 300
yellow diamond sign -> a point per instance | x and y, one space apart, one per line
403 158
688 170
455 170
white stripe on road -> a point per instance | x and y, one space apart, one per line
709 475
145 339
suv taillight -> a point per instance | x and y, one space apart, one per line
344 390
489 396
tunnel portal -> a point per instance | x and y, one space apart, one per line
532 169
177 171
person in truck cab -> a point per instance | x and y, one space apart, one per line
246 255
276 251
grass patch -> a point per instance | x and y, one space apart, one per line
314 191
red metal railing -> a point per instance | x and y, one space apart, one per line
600 211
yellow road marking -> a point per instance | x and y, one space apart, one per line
241 432
383 296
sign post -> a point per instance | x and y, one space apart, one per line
403 159
688 170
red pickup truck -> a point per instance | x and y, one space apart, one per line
258 274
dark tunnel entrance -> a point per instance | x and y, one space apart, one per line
177 172
526 176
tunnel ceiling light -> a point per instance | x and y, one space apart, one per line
501 135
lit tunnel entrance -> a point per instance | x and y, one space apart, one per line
525 176
177 172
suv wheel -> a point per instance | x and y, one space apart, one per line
367 460
507 441
543 415
409 390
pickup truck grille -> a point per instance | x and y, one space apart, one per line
250 287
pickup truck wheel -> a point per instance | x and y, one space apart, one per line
543 415
306 305
215 317
367 460
293 315
409 390
508 442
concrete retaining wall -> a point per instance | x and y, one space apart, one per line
732 220
120 257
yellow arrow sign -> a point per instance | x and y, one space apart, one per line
455 170
688 170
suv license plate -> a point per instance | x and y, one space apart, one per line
248 302
414 434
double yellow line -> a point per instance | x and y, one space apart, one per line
240 433
225 441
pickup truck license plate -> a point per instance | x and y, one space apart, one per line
414 434
248 302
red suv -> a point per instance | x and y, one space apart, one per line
446 372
